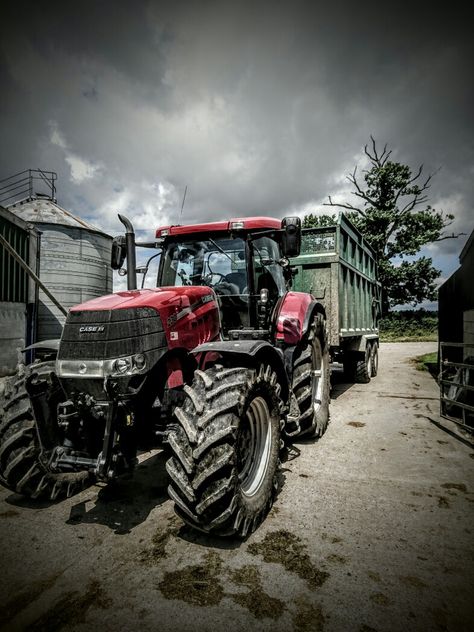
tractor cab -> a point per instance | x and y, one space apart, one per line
240 260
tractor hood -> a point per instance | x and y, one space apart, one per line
190 314
156 298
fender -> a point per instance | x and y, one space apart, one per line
48 345
257 350
295 315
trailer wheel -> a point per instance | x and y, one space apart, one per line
226 450
374 359
311 383
363 367
21 467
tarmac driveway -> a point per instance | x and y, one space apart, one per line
371 531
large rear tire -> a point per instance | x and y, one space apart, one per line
224 468
311 384
22 469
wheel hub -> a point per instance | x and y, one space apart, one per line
254 445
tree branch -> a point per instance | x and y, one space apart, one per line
349 207
453 236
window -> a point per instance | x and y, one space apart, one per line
268 272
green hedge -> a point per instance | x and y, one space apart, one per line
409 324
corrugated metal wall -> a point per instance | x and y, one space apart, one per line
16 299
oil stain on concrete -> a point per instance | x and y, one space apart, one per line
256 600
380 599
71 608
157 551
198 584
23 599
308 617
285 548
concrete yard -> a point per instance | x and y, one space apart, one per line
371 531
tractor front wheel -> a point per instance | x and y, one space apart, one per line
22 467
226 450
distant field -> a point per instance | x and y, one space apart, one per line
409 326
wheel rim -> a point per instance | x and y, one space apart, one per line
369 361
254 446
317 375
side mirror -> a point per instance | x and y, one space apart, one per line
291 237
119 251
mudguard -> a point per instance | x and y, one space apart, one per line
295 315
259 350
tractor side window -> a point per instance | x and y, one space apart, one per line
268 273
183 261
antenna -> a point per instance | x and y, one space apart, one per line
182 205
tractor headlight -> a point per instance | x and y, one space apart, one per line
121 366
139 361
128 365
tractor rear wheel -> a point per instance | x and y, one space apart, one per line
226 450
311 384
21 467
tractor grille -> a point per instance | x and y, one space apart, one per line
107 334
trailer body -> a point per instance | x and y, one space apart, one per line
338 267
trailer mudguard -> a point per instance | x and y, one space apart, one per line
257 350
295 315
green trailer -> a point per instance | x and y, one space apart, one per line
338 267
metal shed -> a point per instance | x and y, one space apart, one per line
73 255
17 292
456 336
74 260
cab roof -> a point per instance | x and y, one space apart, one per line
231 225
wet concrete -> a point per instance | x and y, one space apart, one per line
372 531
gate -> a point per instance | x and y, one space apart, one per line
456 382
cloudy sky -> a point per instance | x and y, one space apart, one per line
256 107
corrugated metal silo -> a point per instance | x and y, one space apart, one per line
74 260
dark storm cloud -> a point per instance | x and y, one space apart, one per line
257 108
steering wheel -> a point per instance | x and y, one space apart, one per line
208 278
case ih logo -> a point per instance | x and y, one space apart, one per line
91 329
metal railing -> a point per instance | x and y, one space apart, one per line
456 383
22 185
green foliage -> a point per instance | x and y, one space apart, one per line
389 217
408 325
315 221
410 282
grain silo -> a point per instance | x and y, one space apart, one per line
74 259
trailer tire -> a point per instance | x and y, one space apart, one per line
312 392
21 468
363 367
374 359
226 450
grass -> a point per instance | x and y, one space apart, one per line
423 362
427 362
422 337
409 326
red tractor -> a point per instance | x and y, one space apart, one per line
219 363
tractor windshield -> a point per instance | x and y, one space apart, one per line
219 263
213 262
